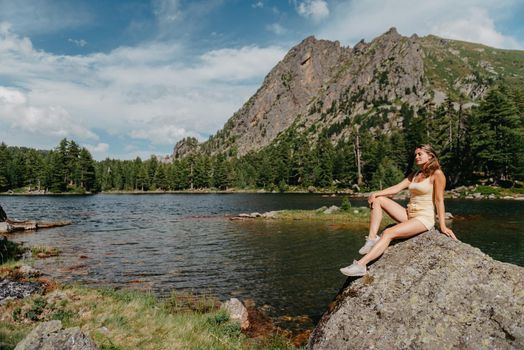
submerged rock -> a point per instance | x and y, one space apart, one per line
50 335
429 292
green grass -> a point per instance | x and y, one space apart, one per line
44 251
132 320
10 251
487 190
357 215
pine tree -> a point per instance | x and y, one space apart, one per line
4 161
498 140
86 166
325 155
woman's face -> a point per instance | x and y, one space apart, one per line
421 157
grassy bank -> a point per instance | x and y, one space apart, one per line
127 319
131 320
357 215
360 214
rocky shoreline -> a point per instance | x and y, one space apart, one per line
476 192
36 307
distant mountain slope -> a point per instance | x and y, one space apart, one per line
322 88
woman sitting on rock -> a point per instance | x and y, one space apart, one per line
426 188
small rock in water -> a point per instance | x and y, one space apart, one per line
270 214
331 209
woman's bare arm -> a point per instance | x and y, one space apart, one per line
393 189
439 184
389 191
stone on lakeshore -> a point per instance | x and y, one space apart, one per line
29 271
50 335
428 292
270 214
477 195
332 209
255 215
237 312
5 227
17 290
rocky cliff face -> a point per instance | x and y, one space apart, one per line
321 85
429 292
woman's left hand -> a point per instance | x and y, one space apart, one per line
448 232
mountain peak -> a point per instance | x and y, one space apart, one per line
321 88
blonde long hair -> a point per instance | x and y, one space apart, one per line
433 164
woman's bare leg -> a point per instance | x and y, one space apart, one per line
392 208
405 229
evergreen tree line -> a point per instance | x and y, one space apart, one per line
484 142
66 168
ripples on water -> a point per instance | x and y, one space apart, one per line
183 242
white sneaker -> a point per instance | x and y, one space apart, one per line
354 269
368 245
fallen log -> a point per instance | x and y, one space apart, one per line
7 225
29 225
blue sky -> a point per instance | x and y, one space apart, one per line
131 78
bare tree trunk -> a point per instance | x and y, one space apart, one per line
357 156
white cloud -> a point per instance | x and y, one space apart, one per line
153 92
276 29
80 43
161 134
99 148
258 4
315 9
17 113
470 20
476 26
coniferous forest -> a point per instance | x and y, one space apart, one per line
484 143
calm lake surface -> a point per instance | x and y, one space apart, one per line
165 242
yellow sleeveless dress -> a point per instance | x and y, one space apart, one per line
420 204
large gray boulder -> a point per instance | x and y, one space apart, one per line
429 292
50 336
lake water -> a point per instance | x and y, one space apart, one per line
165 242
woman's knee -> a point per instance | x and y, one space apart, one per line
378 201
389 234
